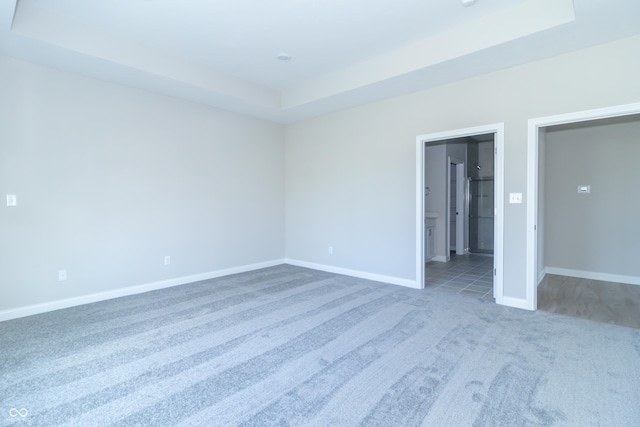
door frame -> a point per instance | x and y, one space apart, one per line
460 208
532 269
498 130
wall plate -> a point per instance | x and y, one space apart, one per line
584 189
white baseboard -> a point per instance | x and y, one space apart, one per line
132 290
440 258
515 303
605 277
354 273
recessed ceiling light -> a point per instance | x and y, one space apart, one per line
467 3
284 57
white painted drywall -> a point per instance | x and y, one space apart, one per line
351 175
435 169
486 159
457 151
110 179
596 232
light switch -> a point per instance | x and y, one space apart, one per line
11 200
515 197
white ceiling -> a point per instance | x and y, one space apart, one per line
344 53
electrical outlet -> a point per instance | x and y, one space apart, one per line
330 250
167 260
62 275
12 200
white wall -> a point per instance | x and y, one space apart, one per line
596 232
435 169
351 175
455 151
486 158
110 179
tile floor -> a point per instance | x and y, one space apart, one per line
464 274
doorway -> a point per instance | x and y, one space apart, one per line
535 205
454 164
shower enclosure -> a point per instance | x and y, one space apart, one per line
480 199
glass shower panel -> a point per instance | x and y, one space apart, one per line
481 215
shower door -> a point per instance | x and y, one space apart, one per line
481 215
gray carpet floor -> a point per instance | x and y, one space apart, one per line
292 346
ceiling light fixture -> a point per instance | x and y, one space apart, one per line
284 57
467 3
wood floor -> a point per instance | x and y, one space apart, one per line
605 302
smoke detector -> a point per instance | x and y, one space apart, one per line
467 3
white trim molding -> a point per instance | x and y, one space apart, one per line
132 290
594 275
515 302
354 273
532 180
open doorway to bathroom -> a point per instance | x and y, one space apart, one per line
463 261
460 222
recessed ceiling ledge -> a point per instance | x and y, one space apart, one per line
39 24
520 20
